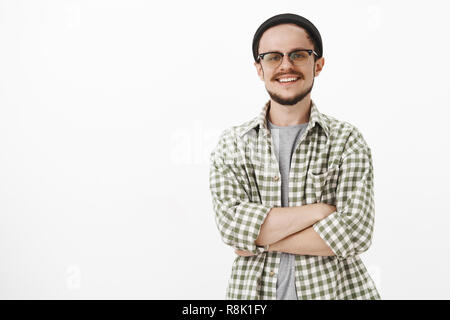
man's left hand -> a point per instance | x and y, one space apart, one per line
244 253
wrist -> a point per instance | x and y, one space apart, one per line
319 211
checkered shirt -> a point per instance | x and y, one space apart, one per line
332 164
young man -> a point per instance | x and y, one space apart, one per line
292 189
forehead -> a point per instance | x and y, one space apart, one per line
284 37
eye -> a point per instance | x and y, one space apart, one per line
272 57
298 55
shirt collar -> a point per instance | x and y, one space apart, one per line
261 120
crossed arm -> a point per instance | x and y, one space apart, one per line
289 229
248 225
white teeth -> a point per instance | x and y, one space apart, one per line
287 79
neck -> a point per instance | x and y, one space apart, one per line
283 115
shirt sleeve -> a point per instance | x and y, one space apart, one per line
348 230
237 218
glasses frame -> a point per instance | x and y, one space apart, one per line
261 55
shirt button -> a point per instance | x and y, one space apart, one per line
271 273
276 178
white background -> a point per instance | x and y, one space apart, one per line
109 111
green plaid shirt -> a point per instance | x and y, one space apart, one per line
332 164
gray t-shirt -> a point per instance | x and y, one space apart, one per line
284 141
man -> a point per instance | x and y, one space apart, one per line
292 188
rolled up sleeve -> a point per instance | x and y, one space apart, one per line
237 218
348 231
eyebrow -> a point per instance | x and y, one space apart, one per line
295 49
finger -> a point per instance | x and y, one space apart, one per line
246 253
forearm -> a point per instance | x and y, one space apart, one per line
282 222
305 242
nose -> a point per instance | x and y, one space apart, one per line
286 62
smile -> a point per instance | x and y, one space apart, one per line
287 81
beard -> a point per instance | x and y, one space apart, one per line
291 101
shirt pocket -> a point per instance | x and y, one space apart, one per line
321 187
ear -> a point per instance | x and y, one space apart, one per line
259 70
319 65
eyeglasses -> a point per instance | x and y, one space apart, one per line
274 59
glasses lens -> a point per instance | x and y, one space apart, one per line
299 57
272 59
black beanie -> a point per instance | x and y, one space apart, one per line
288 18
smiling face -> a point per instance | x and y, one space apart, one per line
286 38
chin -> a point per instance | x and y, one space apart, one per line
287 94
